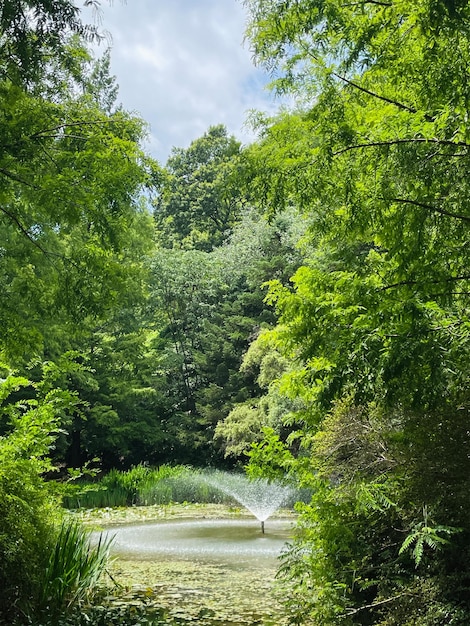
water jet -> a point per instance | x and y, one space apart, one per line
259 496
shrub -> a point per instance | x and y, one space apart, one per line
25 534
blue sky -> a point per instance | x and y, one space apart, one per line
183 66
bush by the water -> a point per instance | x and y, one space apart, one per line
44 567
25 536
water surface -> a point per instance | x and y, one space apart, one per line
238 543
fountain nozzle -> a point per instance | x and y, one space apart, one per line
262 526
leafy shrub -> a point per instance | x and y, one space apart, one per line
27 519
25 534
114 611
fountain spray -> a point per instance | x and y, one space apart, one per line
261 497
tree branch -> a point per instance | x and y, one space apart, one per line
25 232
423 205
82 137
374 604
394 142
46 131
361 4
16 178
396 103
409 283
47 253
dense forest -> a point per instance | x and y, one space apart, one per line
297 307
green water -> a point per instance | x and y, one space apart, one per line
209 572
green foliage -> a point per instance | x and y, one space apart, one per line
375 322
137 481
361 387
73 227
207 305
72 573
25 533
31 414
423 534
199 199
94 496
269 458
240 429
185 487
247 424
32 32
117 613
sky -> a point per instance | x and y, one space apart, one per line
183 66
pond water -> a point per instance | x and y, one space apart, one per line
238 543
209 571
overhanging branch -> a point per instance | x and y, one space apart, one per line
410 283
351 83
395 142
16 178
396 103
430 207
375 604
53 129
25 232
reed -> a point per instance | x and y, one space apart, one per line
186 487
143 485
72 572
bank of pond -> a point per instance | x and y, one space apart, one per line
168 545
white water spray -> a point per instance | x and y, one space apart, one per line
260 496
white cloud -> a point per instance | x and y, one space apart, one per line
182 65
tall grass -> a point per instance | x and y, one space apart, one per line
186 487
72 572
143 485
94 496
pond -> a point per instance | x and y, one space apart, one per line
236 543
205 571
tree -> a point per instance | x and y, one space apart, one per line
206 307
72 178
249 421
199 198
74 222
73 230
376 322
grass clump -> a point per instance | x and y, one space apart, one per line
73 570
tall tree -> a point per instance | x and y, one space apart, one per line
376 323
72 179
74 219
199 197
206 307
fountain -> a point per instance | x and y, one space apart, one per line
223 539
202 562
260 496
